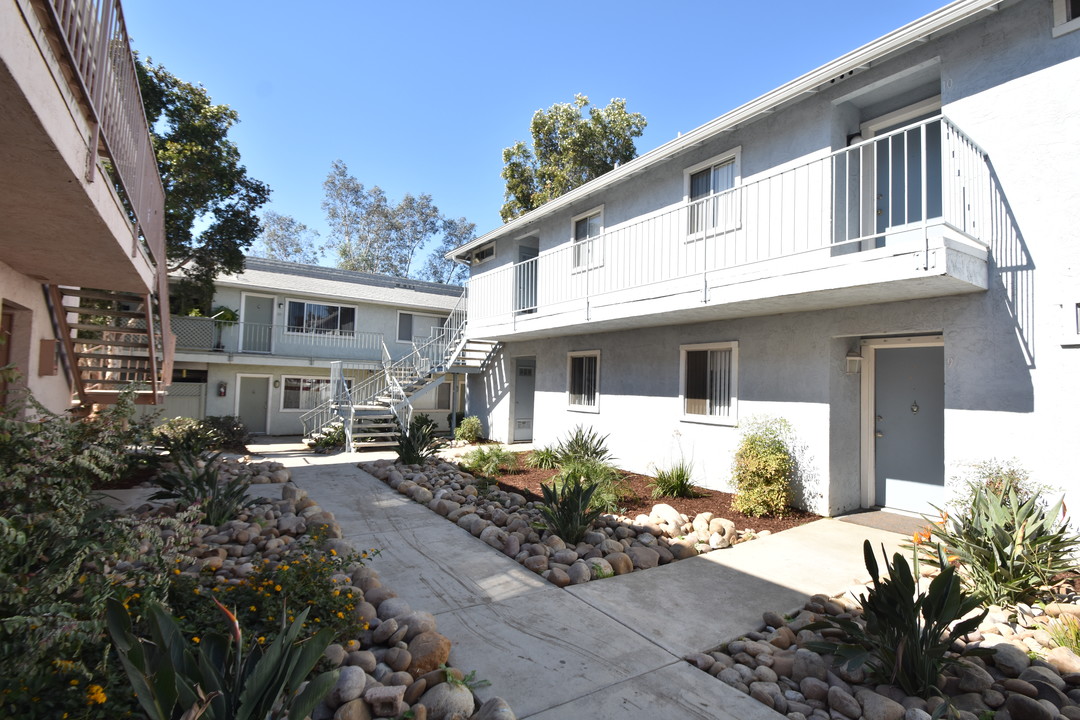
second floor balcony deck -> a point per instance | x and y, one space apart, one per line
904 215
200 336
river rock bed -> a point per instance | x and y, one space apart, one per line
1024 678
396 667
508 522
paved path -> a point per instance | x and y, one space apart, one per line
606 649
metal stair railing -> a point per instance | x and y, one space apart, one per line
388 387
342 401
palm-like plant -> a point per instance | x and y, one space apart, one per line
566 510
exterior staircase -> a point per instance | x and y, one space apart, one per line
374 411
111 340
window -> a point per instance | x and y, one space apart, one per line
304 393
483 254
404 327
709 382
414 327
442 400
306 317
588 228
583 380
1066 17
712 206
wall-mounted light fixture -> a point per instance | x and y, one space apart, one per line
852 362
280 305
277 383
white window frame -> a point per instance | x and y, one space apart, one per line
595 257
397 323
730 420
1063 24
595 407
300 333
476 259
284 381
734 157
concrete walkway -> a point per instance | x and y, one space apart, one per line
605 649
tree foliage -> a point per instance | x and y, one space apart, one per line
283 237
371 234
567 151
210 201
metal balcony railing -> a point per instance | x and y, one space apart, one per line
94 38
207 335
888 189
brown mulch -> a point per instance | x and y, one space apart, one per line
639 500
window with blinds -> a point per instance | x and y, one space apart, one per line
584 380
709 382
712 205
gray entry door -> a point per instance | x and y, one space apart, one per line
524 388
254 400
258 319
909 407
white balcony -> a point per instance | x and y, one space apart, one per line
902 216
208 339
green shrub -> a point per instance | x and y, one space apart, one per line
568 510
584 444
763 468
608 483
904 637
425 419
676 481
546 458
418 443
996 477
193 486
230 434
1005 549
56 545
468 430
488 460
194 437
184 435
214 678
330 437
306 576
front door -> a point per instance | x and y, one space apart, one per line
524 387
252 402
258 320
909 428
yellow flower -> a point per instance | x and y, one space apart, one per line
341 615
277 588
333 551
252 608
262 640
74 681
195 639
95 695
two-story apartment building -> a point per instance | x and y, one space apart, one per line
883 251
83 286
270 365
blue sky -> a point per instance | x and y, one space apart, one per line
422 97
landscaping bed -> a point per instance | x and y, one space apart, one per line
638 498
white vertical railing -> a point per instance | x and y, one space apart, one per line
852 200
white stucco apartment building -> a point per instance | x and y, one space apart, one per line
271 365
883 251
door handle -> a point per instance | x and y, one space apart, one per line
879 434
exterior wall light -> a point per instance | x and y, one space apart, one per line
853 362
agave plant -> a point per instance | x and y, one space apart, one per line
566 510
418 443
216 679
196 482
584 444
905 636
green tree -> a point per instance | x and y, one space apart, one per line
283 237
568 150
455 233
371 234
211 203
